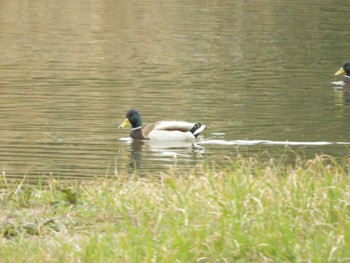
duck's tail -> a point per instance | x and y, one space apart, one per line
197 129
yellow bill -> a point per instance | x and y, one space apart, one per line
340 71
125 123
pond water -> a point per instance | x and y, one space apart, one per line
257 73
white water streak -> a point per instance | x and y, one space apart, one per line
268 142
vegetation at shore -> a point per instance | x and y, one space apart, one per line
247 210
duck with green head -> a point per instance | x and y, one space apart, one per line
161 130
345 69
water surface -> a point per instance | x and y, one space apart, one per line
258 74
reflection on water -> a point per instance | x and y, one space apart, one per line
162 154
342 96
135 161
251 72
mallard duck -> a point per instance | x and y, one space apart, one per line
345 69
162 130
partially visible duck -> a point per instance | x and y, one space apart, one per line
162 130
345 69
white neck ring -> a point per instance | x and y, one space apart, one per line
137 128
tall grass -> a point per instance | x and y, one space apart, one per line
245 211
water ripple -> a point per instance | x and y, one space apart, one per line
269 142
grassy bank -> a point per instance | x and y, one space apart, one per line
247 211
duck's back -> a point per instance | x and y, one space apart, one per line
173 126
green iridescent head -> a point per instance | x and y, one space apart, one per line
132 118
345 69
